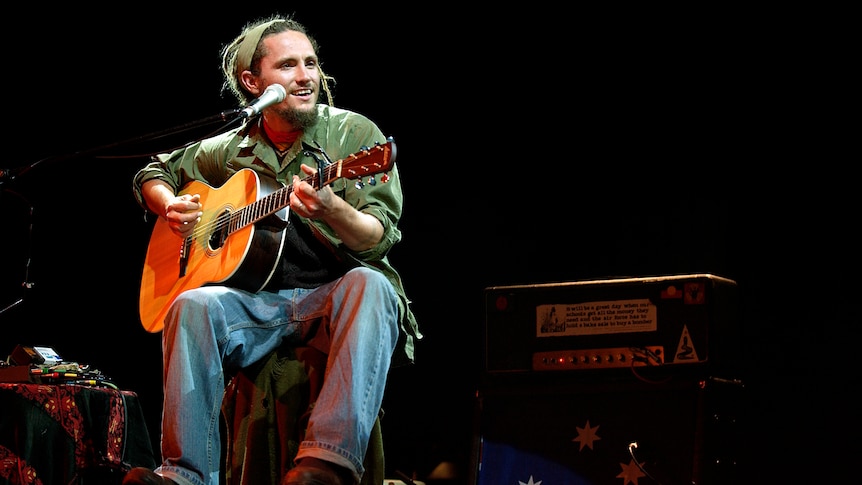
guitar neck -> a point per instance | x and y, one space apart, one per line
278 200
366 162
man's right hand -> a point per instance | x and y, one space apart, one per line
183 213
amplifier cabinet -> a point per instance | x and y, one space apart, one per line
680 321
678 432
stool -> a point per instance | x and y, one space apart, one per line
266 408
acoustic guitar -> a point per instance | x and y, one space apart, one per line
238 240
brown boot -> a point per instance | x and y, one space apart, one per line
312 471
145 476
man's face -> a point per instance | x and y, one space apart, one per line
292 62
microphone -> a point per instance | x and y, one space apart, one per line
273 94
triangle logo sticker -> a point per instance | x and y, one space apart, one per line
685 351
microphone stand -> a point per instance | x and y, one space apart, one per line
10 174
7 174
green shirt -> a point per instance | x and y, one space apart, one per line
340 133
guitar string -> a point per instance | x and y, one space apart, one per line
220 222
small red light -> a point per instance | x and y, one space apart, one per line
502 303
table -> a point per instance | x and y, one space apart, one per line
70 434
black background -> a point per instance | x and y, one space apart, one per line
535 145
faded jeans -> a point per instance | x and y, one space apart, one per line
213 329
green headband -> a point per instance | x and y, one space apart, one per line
246 49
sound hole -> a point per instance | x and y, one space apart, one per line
220 231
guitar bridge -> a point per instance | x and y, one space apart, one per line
184 256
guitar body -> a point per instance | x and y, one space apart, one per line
245 259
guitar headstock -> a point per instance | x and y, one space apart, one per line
368 161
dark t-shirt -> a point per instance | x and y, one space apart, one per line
305 262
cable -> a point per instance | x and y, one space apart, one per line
407 480
650 359
632 446
212 133
26 284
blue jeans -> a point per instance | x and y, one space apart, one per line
213 329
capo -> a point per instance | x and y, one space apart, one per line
313 153
325 155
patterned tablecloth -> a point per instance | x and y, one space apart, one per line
70 434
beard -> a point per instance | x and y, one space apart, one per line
299 119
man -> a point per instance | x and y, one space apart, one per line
331 285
